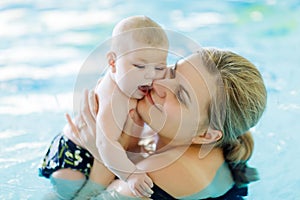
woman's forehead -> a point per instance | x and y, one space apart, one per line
192 73
191 69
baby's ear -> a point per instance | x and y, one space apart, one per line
209 137
111 59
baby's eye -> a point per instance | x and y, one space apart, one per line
139 66
160 68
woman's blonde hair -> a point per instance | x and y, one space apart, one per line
239 103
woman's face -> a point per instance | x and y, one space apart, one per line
177 107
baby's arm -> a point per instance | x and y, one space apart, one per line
110 120
114 156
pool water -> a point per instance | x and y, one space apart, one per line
43 44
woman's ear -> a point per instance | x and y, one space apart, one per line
209 137
111 59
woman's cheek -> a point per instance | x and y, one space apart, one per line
157 117
170 120
141 109
180 124
171 127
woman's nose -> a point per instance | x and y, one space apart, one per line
159 88
165 85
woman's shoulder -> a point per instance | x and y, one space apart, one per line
189 174
221 183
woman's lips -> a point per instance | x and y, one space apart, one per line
157 106
146 90
149 97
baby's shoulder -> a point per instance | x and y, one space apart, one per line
105 85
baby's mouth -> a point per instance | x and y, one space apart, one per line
145 89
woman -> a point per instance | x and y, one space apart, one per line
207 105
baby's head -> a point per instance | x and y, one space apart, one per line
138 54
138 29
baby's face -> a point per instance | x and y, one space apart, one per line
139 67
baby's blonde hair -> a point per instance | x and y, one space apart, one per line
139 29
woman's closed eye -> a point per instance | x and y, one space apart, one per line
182 95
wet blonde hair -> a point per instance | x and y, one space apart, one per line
140 29
239 103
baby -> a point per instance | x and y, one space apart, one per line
137 57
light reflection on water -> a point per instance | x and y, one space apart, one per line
44 44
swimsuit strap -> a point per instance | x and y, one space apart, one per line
160 194
235 193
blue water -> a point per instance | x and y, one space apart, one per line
43 44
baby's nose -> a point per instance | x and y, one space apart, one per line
150 73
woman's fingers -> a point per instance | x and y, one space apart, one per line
85 111
85 106
93 103
88 115
72 125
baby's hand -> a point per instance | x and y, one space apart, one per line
140 184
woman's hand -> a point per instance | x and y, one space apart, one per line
85 127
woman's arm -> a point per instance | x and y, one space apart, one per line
85 130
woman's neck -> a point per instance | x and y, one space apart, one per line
165 144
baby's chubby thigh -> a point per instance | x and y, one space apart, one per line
64 188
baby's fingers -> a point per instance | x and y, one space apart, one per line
146 189
143 191
149 182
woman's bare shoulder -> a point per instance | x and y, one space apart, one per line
188 174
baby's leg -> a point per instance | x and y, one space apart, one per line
67 165
68 174
100 177
67 182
